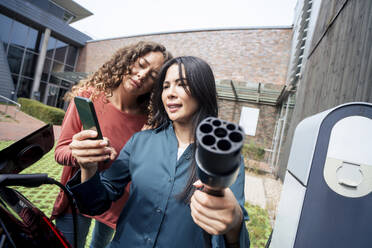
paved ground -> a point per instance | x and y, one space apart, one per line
23 124
262 190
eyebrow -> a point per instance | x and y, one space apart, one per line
148 63
145 60
178 80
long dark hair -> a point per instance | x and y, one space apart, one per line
201 86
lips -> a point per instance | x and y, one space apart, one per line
173 107
136 83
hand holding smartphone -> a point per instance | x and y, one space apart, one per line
87 115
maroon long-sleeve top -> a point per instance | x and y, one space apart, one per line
117 126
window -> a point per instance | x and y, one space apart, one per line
29 64
57 67
19 34
15 55
5 26
15 80
52 94
54 80
46 69
248 120
51 46
69 68
32 39
71 55
60 53
60 102
42 88
24 89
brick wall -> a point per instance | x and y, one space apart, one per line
251 55
230 111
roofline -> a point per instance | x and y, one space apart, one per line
74 8
196 30
40 19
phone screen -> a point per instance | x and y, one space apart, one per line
87 115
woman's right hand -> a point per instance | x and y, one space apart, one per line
89 152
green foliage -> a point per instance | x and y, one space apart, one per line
253 151
258 226
45 113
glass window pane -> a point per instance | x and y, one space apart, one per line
32 38
69 68
15 59
24 89
46 69
51 46
42 88
57 67
15 80
61 49
29 64
60 101
71 55
66 84
52 94
19 34
5 25
54 80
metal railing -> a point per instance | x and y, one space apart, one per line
7 101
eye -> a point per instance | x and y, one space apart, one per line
182 83
141 63
153 75
165 85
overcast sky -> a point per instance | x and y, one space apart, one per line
117 18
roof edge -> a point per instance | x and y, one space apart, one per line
196 30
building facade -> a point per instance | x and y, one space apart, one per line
41 57
249 64
38 48
330 61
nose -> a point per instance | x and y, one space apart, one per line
171 92
142 74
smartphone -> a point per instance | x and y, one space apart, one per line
87 115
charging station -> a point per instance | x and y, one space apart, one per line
326 199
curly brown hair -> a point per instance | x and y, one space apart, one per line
110 75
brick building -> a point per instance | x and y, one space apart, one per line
250 67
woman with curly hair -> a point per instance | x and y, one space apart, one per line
120 91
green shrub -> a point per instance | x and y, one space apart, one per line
254 152
258 226
45 113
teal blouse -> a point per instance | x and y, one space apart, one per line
152 216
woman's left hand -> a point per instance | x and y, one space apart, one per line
217 215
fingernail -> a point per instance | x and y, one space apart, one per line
198 186
197 182
103 143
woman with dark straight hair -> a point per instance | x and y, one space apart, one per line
164 209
